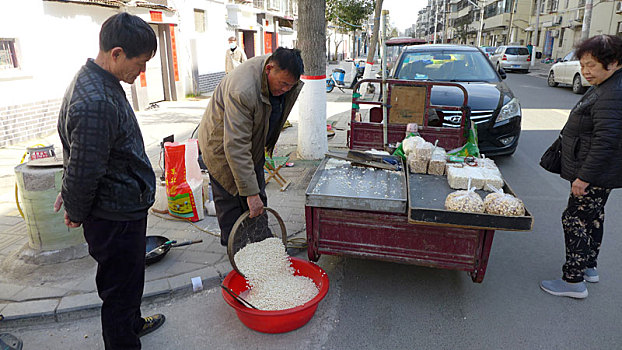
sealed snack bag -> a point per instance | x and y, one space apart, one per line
467 201
500 203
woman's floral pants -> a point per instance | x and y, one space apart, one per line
583 231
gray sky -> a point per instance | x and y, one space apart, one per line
403 13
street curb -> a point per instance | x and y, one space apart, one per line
88 305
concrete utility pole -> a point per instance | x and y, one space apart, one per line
435 19
481 21
587 19
444 22
535 43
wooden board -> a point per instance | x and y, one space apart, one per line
407 104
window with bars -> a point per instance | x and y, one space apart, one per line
274 4
8 55
258 4
199 21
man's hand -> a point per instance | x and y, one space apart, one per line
255 205
57 205
579 187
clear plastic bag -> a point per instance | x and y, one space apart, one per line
505 204
467 201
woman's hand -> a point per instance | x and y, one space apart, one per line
579 187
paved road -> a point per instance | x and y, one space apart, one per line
378 305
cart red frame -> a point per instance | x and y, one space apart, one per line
418 236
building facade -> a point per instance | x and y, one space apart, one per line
505 22
37 62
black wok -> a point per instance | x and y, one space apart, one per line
158 246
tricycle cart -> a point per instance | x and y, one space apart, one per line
393 215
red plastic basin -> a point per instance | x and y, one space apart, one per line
279 321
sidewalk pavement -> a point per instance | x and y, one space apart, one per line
540 69
30 292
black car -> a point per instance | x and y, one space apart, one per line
494 108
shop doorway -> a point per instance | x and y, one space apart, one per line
248 39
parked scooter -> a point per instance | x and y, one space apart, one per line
336 78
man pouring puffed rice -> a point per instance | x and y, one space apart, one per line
242 121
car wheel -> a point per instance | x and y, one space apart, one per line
551 80
577 88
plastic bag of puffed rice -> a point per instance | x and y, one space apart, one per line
500 203
467 201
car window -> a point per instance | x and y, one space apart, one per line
490 49
517 51
570 57
446 65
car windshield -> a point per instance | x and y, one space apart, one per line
490 49
517 51
447 65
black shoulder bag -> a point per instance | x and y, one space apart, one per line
551 160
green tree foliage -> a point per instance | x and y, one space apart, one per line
354 12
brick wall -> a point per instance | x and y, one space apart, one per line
27 121
208 82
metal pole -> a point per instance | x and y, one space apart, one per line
383 49
587 20
535 31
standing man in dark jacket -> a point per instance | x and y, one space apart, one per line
108 182
591 161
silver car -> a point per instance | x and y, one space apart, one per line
568 71
511 58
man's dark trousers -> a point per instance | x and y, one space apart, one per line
230 207
119 249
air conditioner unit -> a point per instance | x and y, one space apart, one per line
619 7
554 33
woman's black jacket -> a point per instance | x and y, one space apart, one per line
592 136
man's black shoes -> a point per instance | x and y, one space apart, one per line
151 324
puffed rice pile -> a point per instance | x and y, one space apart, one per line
270 276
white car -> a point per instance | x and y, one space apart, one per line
568 71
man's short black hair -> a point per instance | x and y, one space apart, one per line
289 60
604 48
130 33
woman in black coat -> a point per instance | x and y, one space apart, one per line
591 161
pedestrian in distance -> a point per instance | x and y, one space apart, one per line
108 182
591 159
242 122
234 56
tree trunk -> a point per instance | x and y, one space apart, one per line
367 74
312 140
